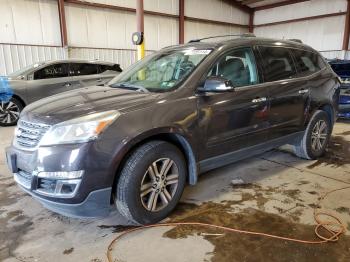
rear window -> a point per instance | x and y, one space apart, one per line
104 68
79 69
278 63
307 62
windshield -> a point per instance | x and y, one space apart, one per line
161 71
24 70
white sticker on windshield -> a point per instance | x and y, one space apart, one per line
198 52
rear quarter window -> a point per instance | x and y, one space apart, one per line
307 62
104 68
278 63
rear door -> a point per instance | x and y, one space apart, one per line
237 119
287 93
85 74
49 80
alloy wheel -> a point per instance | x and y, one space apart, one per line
159 184
9 112
319 135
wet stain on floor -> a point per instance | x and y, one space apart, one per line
117 228
13 224
68 251
241 247
337 153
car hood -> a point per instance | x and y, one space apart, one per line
80 102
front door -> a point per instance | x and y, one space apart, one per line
237 119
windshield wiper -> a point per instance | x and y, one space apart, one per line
130 87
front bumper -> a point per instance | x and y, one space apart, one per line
93 195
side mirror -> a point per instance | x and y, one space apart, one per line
217 84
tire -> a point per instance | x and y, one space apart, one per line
305 148
139 170
10 111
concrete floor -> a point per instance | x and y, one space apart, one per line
278 197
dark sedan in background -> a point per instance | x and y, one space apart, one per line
49 78
342 69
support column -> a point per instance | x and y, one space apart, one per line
63 25
140 28
347 28
181 21
251 21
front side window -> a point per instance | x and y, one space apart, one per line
278 63
82 69
307 62
52 71
162 71
238 66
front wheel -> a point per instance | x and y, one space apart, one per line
151 182
316 137
9 112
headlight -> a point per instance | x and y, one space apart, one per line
80 129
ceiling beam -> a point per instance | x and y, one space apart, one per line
289 2
239 6
249 2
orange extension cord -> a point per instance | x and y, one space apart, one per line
335 228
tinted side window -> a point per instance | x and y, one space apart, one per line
104 68
278 63
307 62
52 71
238 66
80 69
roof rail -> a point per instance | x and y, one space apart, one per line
218 36
295 40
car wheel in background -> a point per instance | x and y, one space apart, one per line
151 182
316 137
9 112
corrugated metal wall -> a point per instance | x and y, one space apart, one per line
31 27
33 22
322 34
213 10
124 57
15 57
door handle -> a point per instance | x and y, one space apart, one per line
259 99
303 91
99 80
67 84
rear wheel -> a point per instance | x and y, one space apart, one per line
316 137
9 112
151 182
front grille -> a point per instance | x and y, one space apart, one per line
23 178
28 135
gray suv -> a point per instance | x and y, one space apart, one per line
49 78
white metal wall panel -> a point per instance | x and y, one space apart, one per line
218 10
299 10
163 6
195 30
123 57
29 22
14 57
321 34
103 28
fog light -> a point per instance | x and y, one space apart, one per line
61 188
62 174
